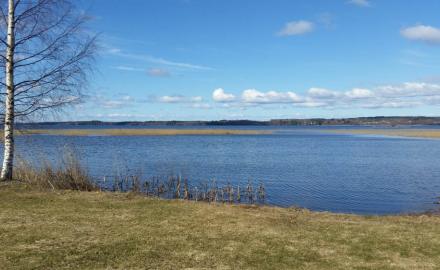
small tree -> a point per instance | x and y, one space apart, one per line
45 53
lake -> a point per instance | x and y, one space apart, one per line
305 167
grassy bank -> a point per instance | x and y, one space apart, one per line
92 230
415 133
140 132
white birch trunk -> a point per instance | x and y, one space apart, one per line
8 159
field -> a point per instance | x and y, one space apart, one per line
140 132
95 230
415 133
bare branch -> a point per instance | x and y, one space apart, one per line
52 55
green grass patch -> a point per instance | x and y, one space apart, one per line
97 230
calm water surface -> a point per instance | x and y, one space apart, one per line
307 168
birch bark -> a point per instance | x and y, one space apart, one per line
8 159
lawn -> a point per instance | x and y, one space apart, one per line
97 230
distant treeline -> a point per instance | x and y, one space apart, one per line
377 120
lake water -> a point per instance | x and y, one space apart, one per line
302 167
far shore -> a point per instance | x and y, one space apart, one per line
413 133
140 132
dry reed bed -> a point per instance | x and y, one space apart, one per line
176 187
415 133
140 132
71 175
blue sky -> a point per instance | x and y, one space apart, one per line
243 59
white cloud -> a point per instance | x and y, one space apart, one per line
219 95
196 99
360 3
170 99
113 50
179 99
157 60
201 106
158 72
423 33
359 93
114 116
410 89
128 68
391 104
296 28
313 104
433 100
408 94
322 93
403 95
173 63
153 72
113 103
254 96
120 115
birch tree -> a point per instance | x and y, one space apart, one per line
46 53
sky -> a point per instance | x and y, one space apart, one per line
260 60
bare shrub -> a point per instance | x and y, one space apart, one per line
68 175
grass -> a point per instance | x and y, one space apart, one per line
140 132
99 230
415 133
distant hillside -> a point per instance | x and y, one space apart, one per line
377 120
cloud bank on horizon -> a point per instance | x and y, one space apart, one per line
405 95
409 94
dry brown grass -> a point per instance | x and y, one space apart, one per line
140 132
415 133
69 175
88 230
